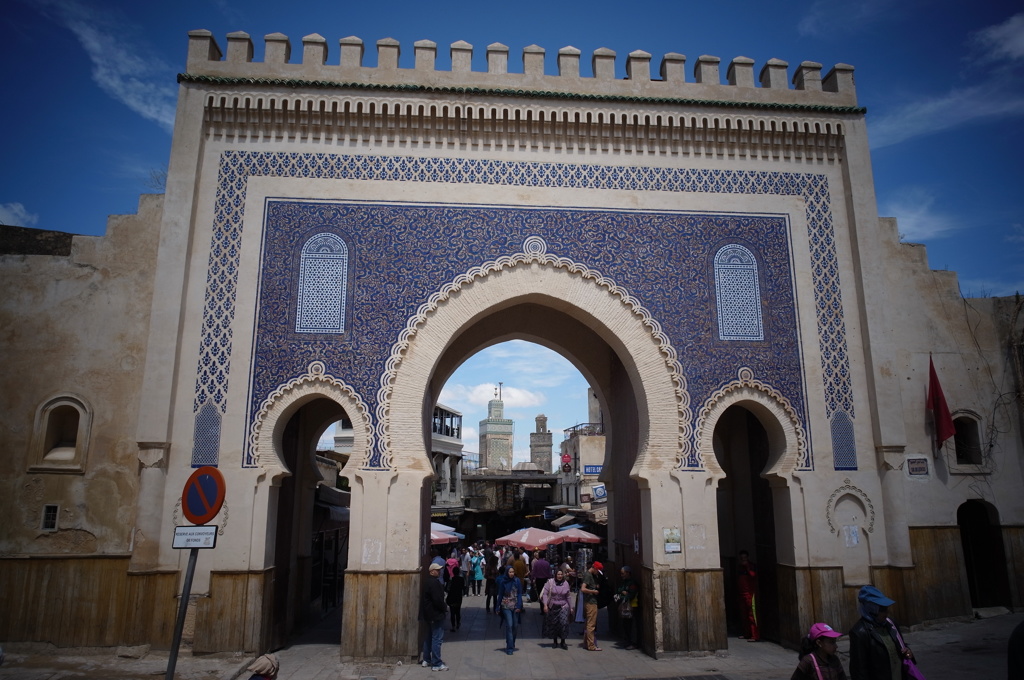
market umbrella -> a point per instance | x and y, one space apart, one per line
439 537
445 529
576 535
531 538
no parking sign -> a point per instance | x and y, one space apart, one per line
201 500
203 495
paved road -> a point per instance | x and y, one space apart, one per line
958 651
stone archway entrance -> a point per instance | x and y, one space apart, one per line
614 343
292 528
753 440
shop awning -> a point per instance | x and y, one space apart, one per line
564 519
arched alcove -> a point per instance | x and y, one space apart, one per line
851 521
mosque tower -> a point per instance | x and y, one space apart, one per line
540 444
496 433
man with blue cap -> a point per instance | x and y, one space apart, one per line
876 646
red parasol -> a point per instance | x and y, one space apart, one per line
578 536
531 538
439 537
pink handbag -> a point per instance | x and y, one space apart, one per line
910 669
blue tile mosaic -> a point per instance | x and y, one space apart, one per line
323 284
738 294
664 259
844 443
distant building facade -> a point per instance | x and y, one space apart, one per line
446 457
702 239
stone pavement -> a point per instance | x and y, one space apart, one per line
951 651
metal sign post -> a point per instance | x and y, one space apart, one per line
179 624
200 501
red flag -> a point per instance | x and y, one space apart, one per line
936 405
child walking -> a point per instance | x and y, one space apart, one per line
818 660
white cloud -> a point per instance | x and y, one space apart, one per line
463 397
1002 41
15 215
999 92
122 69
1016 234
470 437
534 366
917 219
953 109
517 397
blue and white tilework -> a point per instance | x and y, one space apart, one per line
738 294
844 444
323 284
664 259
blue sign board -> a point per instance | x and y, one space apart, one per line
592 469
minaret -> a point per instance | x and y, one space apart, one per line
540 444
496 434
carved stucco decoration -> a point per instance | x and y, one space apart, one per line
746 387
848 488
315 383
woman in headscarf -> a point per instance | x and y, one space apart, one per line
876 646
556 603
264 667
510 603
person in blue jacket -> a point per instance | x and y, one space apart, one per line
509 605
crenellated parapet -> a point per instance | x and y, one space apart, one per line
346 66
333 98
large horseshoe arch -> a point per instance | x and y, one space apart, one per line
602 330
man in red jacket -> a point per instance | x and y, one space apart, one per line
747 582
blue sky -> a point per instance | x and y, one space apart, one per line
90 95
535 380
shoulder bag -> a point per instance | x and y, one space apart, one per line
910 669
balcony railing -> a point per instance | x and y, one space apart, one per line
584 430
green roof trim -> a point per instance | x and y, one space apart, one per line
327 84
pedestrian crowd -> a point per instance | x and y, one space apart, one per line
511 578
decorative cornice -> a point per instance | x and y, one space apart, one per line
294 83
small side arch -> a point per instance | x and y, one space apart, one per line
282 403
786 437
